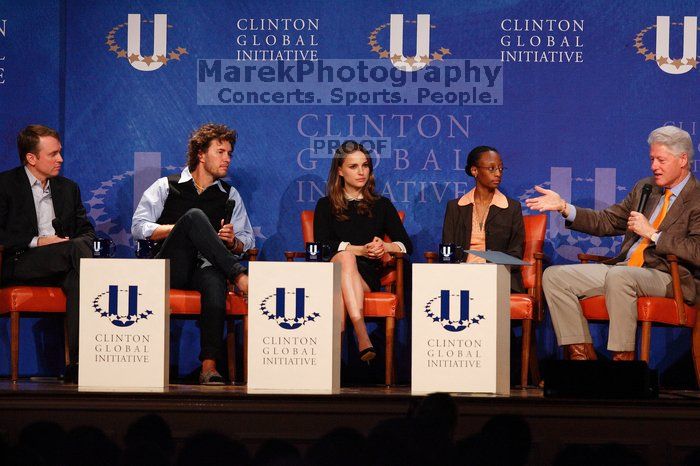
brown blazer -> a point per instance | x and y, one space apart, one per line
680 231
505 232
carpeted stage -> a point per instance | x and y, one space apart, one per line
662 430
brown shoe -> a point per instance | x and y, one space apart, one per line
580 352
623 355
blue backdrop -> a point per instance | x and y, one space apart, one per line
573 90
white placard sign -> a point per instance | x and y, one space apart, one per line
124 323
294 312
461 328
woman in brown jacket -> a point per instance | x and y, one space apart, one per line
484 218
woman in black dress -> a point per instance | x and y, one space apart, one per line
352 220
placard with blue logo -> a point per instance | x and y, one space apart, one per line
461 328
124 323
294 312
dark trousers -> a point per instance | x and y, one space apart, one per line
54 265
192 236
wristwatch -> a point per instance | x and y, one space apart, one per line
654 236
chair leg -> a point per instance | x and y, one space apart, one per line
245 349
14 345
646 342
525 352
696 350
231 348
534 365
389 371
65 342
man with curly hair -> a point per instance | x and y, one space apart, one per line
184 215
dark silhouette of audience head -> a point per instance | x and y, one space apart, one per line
339 447
213 449
276 452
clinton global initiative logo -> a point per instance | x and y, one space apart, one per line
395 53
662 56
132 53
275 306
110 300
438 309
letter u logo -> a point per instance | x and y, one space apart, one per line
422 43
454 325
114 306
299 308
313 249
160 37
690 41
446 250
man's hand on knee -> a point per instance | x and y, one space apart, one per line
241 282
53 239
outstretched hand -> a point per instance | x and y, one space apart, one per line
550 200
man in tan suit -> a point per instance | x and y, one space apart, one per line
669 224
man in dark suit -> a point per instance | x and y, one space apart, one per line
43 226
670 224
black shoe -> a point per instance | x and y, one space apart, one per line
368 354
70 375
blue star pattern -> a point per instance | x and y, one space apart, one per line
287 323
451 325
119 320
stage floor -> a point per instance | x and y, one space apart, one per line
663 430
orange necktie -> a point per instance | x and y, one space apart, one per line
637 257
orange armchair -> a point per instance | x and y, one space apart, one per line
651 310
186 303
387 305
527 307
22 300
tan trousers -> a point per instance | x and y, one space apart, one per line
564 284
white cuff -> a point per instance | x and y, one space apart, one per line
343 245
34 242
401 246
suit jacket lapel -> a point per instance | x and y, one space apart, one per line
27 198
678 206
465 221
56 197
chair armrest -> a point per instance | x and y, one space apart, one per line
252 254
2 249
430 257
291 255
586 258
677 291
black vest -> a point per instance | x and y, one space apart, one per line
183 197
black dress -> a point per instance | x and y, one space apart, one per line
359 230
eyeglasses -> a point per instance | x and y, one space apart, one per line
493 169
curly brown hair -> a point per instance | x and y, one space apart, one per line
203 136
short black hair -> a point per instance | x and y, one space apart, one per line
475 155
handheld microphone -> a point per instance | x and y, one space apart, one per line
228 210
58 227
646 191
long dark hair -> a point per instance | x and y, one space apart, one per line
336 183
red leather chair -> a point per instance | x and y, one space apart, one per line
25 301
672 312
186 303
387 305
527 307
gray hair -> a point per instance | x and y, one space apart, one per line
675 139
